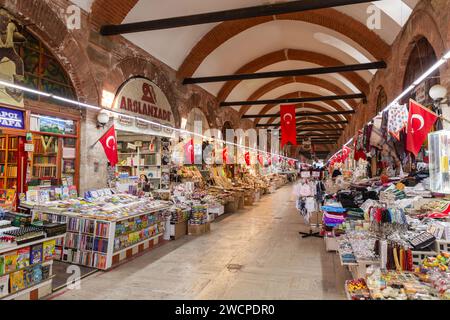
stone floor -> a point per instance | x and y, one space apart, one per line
276 263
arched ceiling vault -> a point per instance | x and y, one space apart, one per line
328 18
277 83
310 39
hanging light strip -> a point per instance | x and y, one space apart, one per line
93 107
419 80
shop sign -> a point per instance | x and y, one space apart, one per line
126 121
29 147
142 124
316 174
10 118
141 97
305 174
421 93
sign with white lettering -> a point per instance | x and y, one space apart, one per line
10 118
142 98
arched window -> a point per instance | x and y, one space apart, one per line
226 125
422 57
381 100
42 70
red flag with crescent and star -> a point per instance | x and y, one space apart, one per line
288 125
109 144
225 155
420 122
247 158
189 152
261 159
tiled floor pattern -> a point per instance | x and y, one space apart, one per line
276 262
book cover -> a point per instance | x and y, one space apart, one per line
23 258
44 196
2 265
28 277
16 281
32 196
58 193
73 192
49 250
36 254
45 272
4 288
65 193
10 261
37 274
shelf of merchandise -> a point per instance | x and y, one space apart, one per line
110 257
43 286
9 147
39 289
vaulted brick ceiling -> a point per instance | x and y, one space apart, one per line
318 38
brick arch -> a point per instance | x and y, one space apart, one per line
332 104
291 95
331 125
292 55
421 25
45 24
110 11
277 83
329 18
318 118
139 66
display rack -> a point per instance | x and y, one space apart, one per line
31 287
147 159
8 163
100 243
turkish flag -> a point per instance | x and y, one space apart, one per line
345 153
225 155
420 122
261 159
109 144
247 158
288 125
189 152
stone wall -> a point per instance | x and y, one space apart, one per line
430 19
95 63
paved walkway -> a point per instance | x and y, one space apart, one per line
276 263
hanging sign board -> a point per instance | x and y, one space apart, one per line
316 174
305 174
29 147
11 118
140 97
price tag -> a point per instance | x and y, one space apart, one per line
29 147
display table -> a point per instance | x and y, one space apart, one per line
101 241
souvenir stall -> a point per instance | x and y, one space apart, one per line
144 148
389 223
104 227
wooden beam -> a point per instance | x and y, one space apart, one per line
226 15
320 129
299 114
294 100
312 123
288 73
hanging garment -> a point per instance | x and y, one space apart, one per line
376 135
310 205
301 207
398 119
